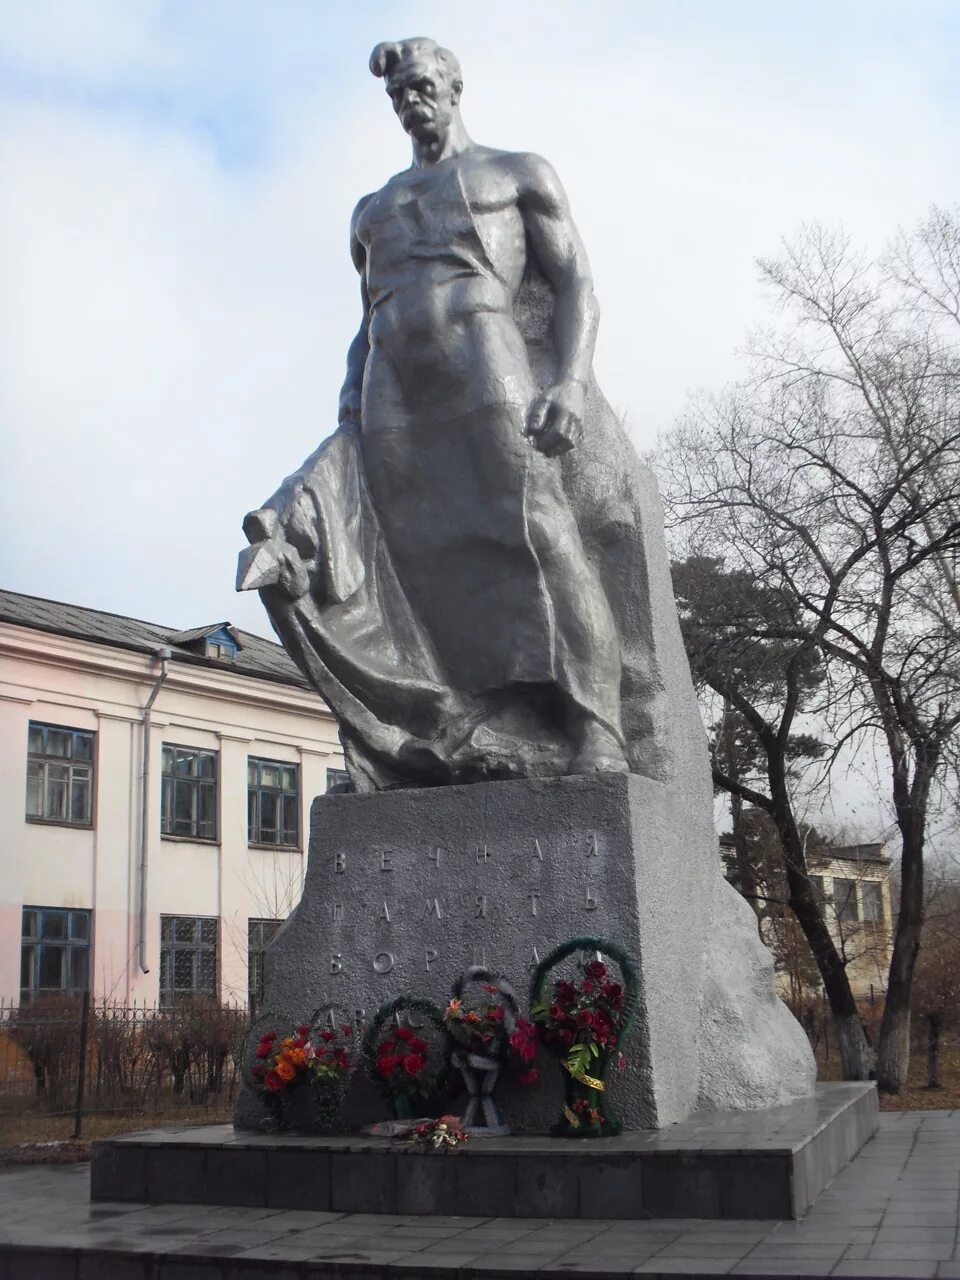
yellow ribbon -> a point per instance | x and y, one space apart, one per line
590 1081
574 1122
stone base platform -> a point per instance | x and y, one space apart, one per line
760 1164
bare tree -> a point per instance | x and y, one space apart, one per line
746 641
272 885
832 474
937 998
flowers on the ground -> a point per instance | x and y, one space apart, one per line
439 1135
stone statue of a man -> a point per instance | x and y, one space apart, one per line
472 572
470 605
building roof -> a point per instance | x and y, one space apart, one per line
187 638
255 656
858 853
825 854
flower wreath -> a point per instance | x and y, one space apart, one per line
398 1061
311 1055
584 1024
493 1024
483 1028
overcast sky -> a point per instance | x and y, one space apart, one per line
178 179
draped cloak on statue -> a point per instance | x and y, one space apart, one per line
436 619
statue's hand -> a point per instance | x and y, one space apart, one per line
270 560
555 419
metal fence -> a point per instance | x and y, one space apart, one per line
79 1057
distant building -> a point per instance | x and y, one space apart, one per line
853 885
155 788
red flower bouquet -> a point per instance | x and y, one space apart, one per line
402 1064
583 1022
408 1067
523 1048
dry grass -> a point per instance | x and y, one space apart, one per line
31 1138
916 1096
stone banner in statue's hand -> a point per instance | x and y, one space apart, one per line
270 560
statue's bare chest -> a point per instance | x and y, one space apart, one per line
471 207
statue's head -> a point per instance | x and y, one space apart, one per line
424 84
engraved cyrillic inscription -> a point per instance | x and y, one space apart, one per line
534 902
336 912
431 908
481 912
386 859
592 845
592 902
430 956
384 961
537 851
336 963
384 912
340 861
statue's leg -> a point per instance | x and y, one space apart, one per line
587 644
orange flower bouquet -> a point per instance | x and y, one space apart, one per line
317 1059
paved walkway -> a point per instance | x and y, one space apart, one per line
893 1212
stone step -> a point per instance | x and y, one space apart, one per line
736 1165
61 1263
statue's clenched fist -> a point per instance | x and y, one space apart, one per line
555 419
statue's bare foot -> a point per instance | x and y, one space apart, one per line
598 751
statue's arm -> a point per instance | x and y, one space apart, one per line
555 419
559 251
352 389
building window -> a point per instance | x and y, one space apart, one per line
188 958
54 952
59 775
872 894
224 650
845 900
337 780
273 803
188 802
260 933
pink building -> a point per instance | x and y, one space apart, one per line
155 788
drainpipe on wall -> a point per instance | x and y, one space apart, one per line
164 656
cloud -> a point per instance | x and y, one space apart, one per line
178 182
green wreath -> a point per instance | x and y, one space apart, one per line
585 1092
589 942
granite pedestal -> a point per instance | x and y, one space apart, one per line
405 889
771 1164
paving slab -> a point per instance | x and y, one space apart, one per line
50 1230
